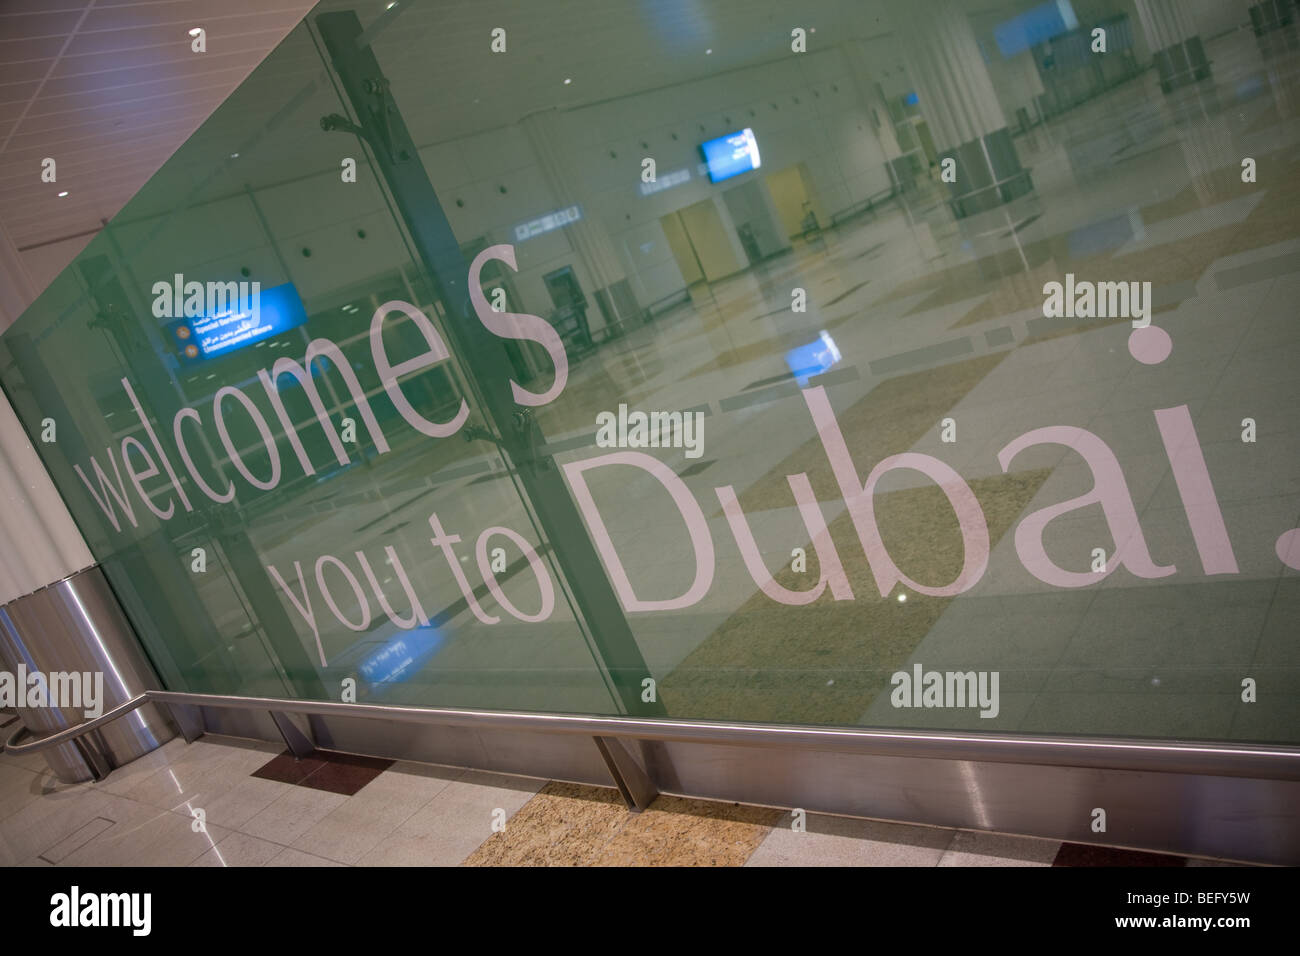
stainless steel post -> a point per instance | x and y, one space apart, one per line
76 627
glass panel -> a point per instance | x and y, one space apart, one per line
812 426
323 566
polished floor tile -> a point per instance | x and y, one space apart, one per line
239 849
368 817
453 825
844 841
970 848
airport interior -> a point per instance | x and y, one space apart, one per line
650 432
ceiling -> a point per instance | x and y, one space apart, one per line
109 89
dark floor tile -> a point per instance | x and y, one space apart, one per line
286 768
1081 854
345 773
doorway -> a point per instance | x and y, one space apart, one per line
570 316
794 199
700 243
758 234
679 243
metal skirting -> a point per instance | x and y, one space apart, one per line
1192 814
1239 802
1206 799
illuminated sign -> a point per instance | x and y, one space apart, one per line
552 220
666 181
812 359
399 657
731 155
1036 25
269 313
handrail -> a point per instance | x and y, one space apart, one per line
1202 757
68 734
861 206
1019 174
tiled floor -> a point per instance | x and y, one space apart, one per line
224 801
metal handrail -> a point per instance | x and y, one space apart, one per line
864 205
1201 757
1020 174
68 734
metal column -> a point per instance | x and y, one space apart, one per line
398 161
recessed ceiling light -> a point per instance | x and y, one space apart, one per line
62 194
567 81
902 598
708 51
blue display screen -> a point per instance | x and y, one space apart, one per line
818 356
731 155
246 321
1036 25
399 658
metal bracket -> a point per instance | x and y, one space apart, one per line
633 782
525 425
335 123
473 433
376 129
189 720
298 743
91 750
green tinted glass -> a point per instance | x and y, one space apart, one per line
679 361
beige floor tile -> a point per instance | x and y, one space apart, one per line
969 848
239 849
148 837
843 841
366 818
291 857
455 822
292 814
